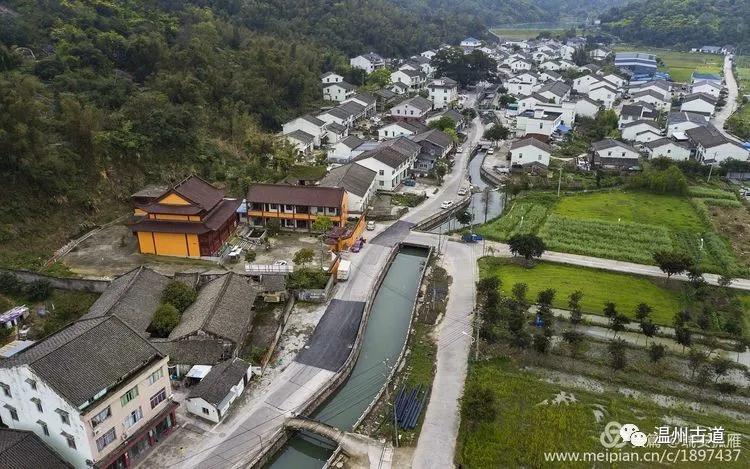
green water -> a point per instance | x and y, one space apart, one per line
384 337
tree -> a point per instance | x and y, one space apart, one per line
574 305
642 311
617 323
464 217
580 56
322 224
273 226
574 339
546 297
466 69
696 358
610 310
178 295
526 245
250 255
443 124
519 291
497 132
721 366
683 336
440 171
166 317
616 349
541 343
38 290
478 403
304 256
487 292
671 262
380 78
648 328
656 352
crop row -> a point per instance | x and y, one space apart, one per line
710 193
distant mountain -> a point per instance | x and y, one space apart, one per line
681 23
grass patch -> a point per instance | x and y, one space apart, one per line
407 199
526 215
702 192
598 287
524 428
681 65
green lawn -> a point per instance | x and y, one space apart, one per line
524 427
680 65
667 211
598 287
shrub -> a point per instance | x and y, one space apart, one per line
273 226
9 283
479 404
306 279
178 295
250 255
710 193
165 319
38 290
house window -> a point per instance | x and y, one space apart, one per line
13 412
105 439
288 208
38 403
64 416
101 417
205 411
45 430
623 154
609 153
133 418
70 439
6 390
541 125
155 376
32 383
273 207
381 183
129 396
158 398
381 172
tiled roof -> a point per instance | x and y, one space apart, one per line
301 136
199 192
295 195
709 136
86 357
418 102
434 136
224 308
532 142
191 352
21 449
215 386
608 143
351 177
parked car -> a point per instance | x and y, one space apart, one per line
370 225
463 191
447 204
280 263
410 182
471 238
744 192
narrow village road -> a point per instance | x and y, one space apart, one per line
501 249
731 83
437 441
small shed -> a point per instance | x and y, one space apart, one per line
211 398
14 316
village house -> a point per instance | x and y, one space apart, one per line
604 94
96 392
654 98
616 80
302 142
415 108
309 124
331 77
343 150
530 151
641 131
707 87
458 119
613 154
549 75
339 91
358 182
637 111
538 122
391 162
666 147
211 397
368 62
556 92
713 147
296 207
680 122
582 85
443 92
599 53
531 101
190 219
660 87
399 129
366 100
470 43
700 103
414 80
587 107
24 449
435 145
710 77
567 111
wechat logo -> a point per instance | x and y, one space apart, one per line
616 435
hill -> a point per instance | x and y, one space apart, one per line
681 23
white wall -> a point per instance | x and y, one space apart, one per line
698 106
529 154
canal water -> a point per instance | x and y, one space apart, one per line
484 206
384 338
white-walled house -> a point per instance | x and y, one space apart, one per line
331 77
398 129
700 103
587 107
358 182
681 121
415 108
340 91
538 121
666 147
211 398
308 124
442 92
530 150
344 150
582 85
604 94
654 98
391 162
368 62
632 130
616 80
713 147
555 91
413 79
610 153
707 87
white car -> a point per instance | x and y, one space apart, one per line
280 263
447 204
462 191
370 225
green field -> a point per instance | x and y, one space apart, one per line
680 65
527 424
598 287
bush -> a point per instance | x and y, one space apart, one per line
38 290
165 319
273 226
178 295
250 255
479 404
9 283
306 279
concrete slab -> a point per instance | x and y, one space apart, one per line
393 234
334 336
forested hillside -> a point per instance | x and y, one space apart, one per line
681 23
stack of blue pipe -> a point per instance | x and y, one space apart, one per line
408 406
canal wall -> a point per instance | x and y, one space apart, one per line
398 361
280 438
442 216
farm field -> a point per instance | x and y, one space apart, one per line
628 226
680 65
598 287
530 419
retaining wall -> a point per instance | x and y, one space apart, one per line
94 285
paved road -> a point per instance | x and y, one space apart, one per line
437 440
500 249
721 117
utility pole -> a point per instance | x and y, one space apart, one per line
477 323
388 398
559 182
710 170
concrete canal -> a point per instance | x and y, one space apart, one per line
484 205
385 334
